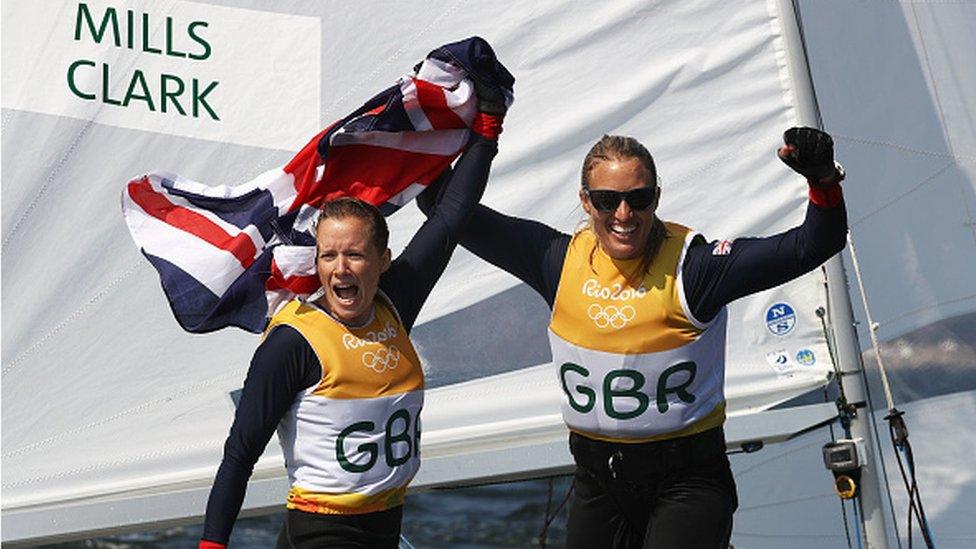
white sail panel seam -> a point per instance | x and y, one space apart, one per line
106 465
135 409
903 148
926 180
74 144
73 316
408 43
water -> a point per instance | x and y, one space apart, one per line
500 515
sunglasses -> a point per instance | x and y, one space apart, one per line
608 201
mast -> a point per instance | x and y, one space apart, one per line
841 316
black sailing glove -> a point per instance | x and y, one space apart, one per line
809 152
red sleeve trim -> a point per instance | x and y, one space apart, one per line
826 195
487 125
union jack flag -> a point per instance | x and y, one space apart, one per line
229 256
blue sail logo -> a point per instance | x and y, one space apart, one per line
780 319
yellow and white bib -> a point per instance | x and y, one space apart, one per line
634 363
352 442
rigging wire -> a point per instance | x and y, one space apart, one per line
855 504
897 429
881 458
846 411
551 515
899 438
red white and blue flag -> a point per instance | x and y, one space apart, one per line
229 256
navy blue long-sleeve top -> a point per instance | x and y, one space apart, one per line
535 252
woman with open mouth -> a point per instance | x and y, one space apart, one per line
337 375
638 334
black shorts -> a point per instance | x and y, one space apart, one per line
676 493
380 530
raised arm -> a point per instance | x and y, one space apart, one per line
718 273
414 272
283 365
531 251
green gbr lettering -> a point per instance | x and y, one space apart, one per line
110 17
582 389
401 437
368 448
680 389
634 392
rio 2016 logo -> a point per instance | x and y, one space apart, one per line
349 341
611 316
616 292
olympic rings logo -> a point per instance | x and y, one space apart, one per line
382 360
611 316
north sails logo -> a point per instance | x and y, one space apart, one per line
388 332
611 316
382 360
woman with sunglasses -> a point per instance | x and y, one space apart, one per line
638 332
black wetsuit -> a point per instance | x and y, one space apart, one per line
284 364
677 492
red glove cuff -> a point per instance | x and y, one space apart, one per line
207 544
487 125
826 195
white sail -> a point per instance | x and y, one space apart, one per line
901 111
892 86
107 404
